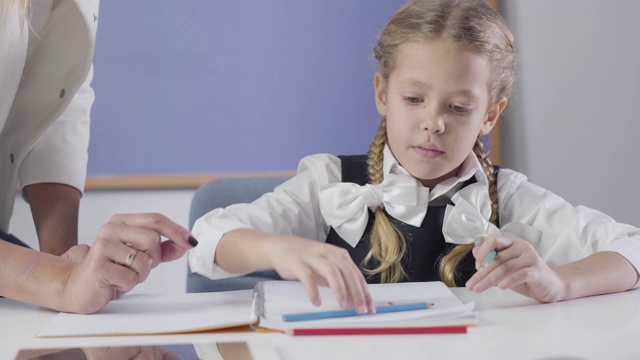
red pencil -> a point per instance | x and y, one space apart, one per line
452 329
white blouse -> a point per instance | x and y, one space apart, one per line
560 232
13 38
46 96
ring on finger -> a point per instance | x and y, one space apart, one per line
130 258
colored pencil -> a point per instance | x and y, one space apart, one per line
317 315
451 329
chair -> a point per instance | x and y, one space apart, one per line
222 193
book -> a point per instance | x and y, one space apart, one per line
263 308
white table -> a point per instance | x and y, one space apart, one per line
510 327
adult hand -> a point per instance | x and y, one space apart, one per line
123 254
315 263
517 267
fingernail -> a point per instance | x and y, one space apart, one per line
192 241
315 302
362 309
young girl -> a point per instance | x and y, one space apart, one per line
425 203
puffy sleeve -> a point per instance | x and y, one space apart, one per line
291 209
569 233
61 153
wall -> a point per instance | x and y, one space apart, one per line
202 86
575 117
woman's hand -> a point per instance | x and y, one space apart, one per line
123 254
315 263
517 267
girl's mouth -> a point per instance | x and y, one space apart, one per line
430 152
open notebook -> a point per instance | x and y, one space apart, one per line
262 308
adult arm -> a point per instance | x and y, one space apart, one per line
54 208
54 171
85 279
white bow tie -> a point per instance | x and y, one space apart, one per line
468 221
344 205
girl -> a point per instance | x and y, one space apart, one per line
414 207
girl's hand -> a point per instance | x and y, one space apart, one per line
315 263
517 267
123 254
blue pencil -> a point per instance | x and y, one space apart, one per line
317 315
491 256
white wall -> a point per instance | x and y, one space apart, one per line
96 208
574 124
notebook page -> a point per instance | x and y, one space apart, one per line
156 314
288 297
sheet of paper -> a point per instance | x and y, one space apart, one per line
287 297
153 314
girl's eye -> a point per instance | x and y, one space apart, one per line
458 109
413 100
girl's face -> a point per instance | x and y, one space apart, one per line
436 102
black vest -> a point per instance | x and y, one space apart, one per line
425 244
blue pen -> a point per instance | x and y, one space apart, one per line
317 315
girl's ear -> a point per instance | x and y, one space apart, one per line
492 116
380 88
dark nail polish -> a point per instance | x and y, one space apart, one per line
192 241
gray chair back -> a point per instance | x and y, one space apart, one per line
222 193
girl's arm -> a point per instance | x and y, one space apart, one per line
579 251
519 267
287 234
600 273
293 208
313 263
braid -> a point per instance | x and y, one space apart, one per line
375 157
387 243
450 261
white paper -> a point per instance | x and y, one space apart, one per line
288 297
154 314
177 313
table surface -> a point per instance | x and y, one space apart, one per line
510 326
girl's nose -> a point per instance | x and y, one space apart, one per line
433 123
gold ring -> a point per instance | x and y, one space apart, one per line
130 258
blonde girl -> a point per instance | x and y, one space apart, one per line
420 203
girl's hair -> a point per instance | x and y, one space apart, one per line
23 10
471 25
